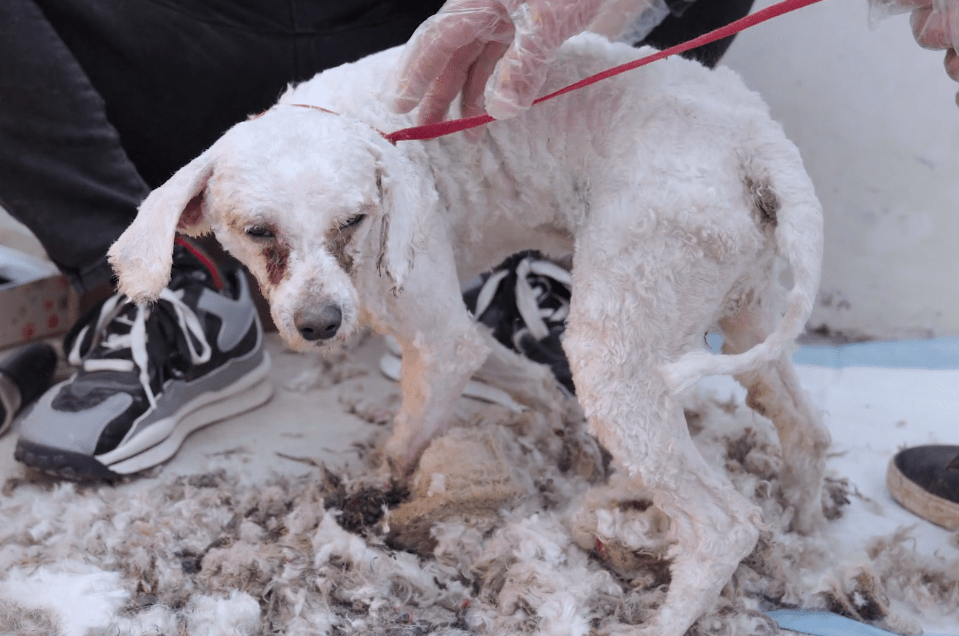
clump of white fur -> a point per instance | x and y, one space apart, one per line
208 554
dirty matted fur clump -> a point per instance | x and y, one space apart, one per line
512 525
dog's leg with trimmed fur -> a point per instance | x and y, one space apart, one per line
774 392
435 370
441 348
618 343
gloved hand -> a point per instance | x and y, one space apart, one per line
935 25
509 42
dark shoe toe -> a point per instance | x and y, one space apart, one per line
925 481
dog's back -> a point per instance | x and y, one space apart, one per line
707 147
680 143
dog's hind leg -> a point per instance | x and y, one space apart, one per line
773 390
617 340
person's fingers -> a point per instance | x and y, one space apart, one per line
950 20
425 56
435 42
952 64
930 29
480 72
444 89
514 86
541 28
909 5
473 102
952 68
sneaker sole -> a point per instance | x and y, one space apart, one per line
247 401
141 453
61 463
920 501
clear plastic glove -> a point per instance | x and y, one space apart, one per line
935 25
495 52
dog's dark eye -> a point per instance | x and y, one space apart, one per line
353 221
259 231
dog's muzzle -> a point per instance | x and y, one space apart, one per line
318 324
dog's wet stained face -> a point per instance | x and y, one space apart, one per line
299 215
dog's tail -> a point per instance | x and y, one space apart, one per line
799 237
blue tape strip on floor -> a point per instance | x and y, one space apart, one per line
828 624
934 354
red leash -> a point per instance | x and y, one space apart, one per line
432 131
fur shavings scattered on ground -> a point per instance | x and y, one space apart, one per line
512 525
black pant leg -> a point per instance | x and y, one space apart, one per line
176 74
63 170
332 34
699 18
102 99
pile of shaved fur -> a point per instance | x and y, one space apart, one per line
511 525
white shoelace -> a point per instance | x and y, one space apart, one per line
136 339
527 296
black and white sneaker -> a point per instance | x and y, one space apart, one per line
25 374
525 301
150 375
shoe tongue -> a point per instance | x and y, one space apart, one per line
193 264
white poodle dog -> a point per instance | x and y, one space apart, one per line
671 186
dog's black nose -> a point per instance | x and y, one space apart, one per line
318 324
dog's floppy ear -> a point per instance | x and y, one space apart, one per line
408 200
143 255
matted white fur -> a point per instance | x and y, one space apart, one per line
192 551
679 196
78 597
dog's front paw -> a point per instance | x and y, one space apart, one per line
401 455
